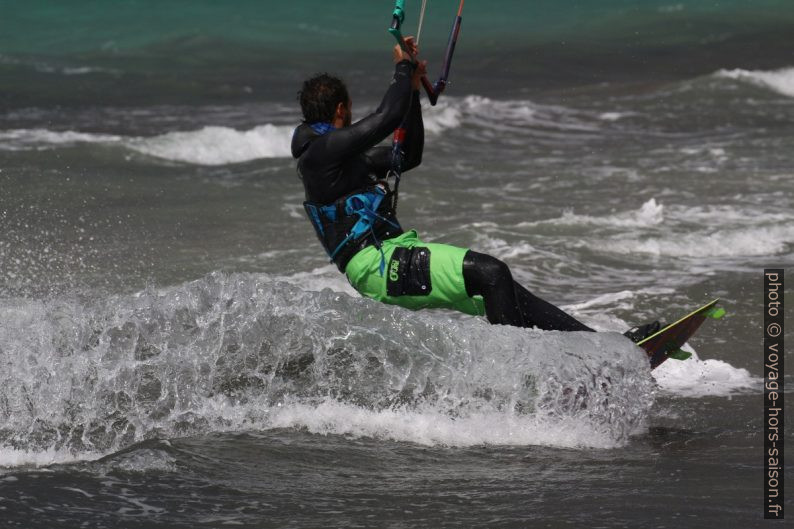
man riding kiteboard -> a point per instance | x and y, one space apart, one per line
352 208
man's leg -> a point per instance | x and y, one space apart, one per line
507 302
421 275
543 315
490 278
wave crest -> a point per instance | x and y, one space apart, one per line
780 81
218 145
244 352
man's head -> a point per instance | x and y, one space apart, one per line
324 99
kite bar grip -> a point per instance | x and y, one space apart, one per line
396 22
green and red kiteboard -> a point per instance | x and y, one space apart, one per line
668 341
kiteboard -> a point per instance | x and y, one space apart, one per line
667 342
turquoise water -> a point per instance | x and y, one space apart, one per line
126 52
63 28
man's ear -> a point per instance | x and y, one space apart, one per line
341 111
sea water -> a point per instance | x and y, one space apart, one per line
177 351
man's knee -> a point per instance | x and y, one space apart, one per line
482 271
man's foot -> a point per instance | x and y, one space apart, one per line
635 334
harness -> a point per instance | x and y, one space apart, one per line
351 221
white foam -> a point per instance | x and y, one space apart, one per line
10 457
729 215
685 231
699 378
650 213
780 81
518 117
218 145
613 116
438 119
316 280
484 106
604 300
432 428
762 240
598 312
39 139
206 146
502 249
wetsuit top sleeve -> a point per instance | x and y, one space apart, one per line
414 135
341 161
379 158
342 144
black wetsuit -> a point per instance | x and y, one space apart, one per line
507 302
335 165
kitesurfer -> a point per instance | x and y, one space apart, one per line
352 208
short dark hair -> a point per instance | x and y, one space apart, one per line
320 96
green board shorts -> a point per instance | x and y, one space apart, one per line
417 275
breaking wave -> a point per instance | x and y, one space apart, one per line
681 231
732 242
220 145
207 146
42 139
515 121
650 213
780 81
242 352
211 145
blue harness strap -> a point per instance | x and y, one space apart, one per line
314 215
365 206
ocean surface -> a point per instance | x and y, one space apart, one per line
176 351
